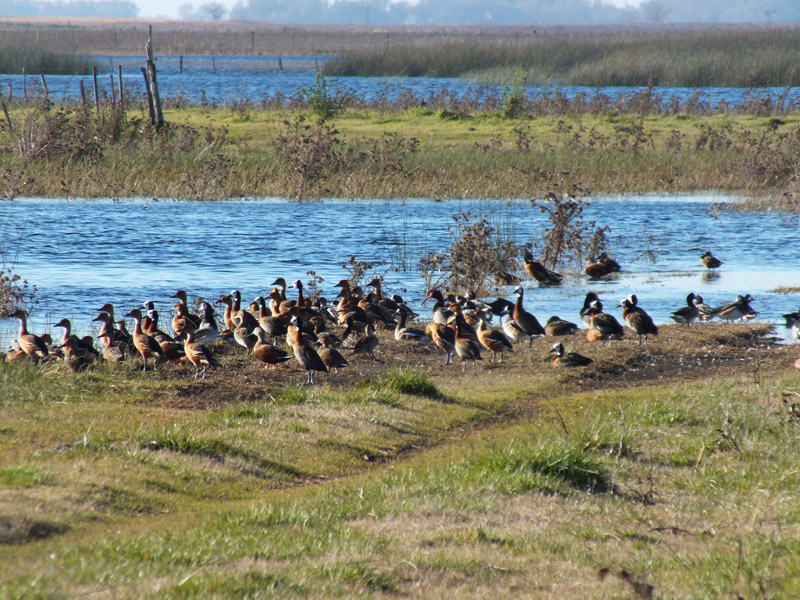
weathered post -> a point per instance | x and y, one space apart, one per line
24 86
44 87
151 110
8 119
113 99
156 115
96 96
119 90
9 92
83 93
180 65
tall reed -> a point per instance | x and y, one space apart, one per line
39 60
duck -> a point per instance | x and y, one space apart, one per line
147 346
82 345
244 336
121 334
284 303
270 354
688 314
539 272
793 323
208 331
173 351
466 347
525 320
15 352
637 319
704 311
601 267
557 326
586 311
194 320
183 322
227 314
198 354
332 358
273 325
308 358
110 336
389 304
367 343
111 353
75 357
32 345
439 314
739 309
493 340
246 320
402 332
513 331
443 337
604 326
500 307
567 359
609 263
709 261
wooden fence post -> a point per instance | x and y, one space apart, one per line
83 93
156 115
44 87
96 95
119 83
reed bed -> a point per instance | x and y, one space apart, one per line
688 58
39 60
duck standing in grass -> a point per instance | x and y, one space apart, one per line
31 344
198 354
494 341
146 345
603 325
525 320
303 352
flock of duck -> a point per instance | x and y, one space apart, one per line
459 326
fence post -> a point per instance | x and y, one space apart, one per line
96 96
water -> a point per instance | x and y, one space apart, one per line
81 254
223 79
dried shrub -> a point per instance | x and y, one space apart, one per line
15 293
569 238
479 257
308 152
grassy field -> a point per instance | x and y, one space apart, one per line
247 151
665 470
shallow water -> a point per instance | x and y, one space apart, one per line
224 79
81 254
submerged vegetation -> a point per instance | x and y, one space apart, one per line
701 57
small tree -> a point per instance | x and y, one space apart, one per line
215 10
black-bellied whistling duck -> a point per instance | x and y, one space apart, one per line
273 325
402 332
604 326
304 353
494 341
525 320
268 353
146 345
208 331
539 272
31 344
439 314
513 331
367 343
194 320
586 311
687 314
556 326
637 319
198 354
330 355
81 344
568 359
467 348
444 338
709 261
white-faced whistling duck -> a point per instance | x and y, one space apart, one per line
539 272
306 355
332 358
198 354
367 343
31 344
604 326
401 332
494 341
513 331
586 311
688 314
467 348
172 349
556 326
147 346
273 324
738 309
637 319
268 353
525 320
439 314
209 330
568 359
709 261
444 338
705 312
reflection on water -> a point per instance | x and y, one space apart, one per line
81 254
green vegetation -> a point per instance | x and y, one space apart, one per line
535 488
754 57
40 60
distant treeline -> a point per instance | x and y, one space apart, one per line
757 57
42 61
